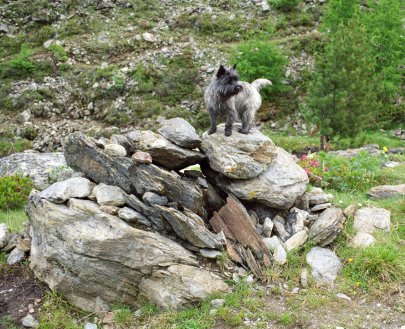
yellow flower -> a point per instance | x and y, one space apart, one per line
385 149
350 260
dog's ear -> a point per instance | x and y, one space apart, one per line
221 71
234 67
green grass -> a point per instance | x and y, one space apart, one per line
7 322
292 141
57 313
14 219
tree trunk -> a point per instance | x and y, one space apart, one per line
325 143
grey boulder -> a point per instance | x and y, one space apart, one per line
325 265
238 156
277 187
326 228
77 187
363 239
84 253
180 132
38 166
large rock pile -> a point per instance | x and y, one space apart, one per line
138 224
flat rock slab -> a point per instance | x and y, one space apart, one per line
180 132
277 187
326 228
386 191
83 253
325 265
36 165
238 156
191 228
297 240
369 219
371 149
163 151
77 187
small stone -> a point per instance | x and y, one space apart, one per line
343 296
115 150
213 312
217 303
320 207
24 116
386 191
349 211
272 242
363 239
138 313
108 318
279 255
279 228
142 157
16 256
267 227
202 182
153 198
76 187
131 216
295 220
109 195
23 244
210 253
325 265
295 290
90 326
149 37
249 279
111 210
304 278
30 322
180 132
296 240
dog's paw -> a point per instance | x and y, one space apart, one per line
243 131
212 131
228 133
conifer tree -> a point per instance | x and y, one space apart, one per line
387 38
341 98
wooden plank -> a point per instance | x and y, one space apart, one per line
219 225
237 219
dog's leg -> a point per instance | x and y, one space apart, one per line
247 121
213 117
230 118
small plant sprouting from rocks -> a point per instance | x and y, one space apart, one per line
14 191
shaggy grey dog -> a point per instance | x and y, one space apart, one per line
226 95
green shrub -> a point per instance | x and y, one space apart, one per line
59 52
260 59
9 146
22 62
14 191
284 5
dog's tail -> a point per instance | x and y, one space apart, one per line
259 83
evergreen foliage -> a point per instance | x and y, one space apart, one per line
386 34
341 98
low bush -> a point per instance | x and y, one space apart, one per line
14 191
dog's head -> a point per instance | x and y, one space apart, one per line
228 82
